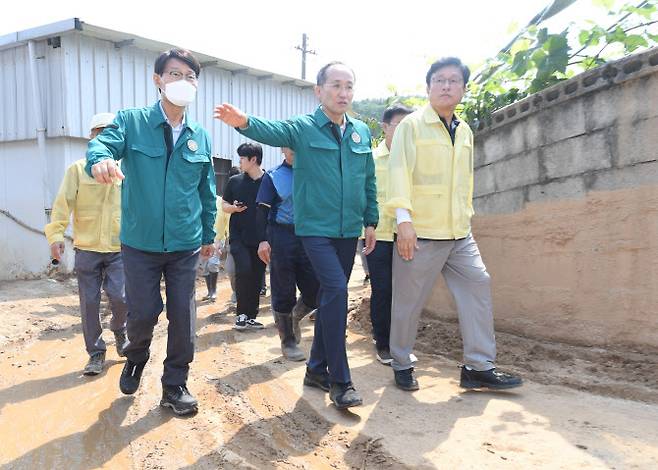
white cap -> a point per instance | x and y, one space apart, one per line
101 120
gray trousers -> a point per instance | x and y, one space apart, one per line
143 273
229 267
364 259
95 270
466 276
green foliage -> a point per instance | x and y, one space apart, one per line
370 111
539 58
607 4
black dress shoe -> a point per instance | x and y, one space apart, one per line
320 381
488 379
179 399
405 379
130 376
344 395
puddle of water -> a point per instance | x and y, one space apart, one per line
57 417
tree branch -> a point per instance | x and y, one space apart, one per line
641 26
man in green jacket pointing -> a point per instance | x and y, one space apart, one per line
168 214
335 196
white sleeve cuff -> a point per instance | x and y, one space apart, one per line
402 215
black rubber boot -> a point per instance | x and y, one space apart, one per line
289 346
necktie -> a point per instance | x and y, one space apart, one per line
169 140
335 132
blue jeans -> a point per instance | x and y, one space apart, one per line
143 272
332 260
290 268
380 262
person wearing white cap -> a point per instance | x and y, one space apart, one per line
96 212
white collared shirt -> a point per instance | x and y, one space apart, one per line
175 131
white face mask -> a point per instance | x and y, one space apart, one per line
180 92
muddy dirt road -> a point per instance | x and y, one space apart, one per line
254 412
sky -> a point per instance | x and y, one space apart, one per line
387 43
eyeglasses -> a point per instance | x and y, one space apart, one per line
178 75
451 82
339 87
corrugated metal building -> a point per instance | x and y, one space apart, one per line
56 77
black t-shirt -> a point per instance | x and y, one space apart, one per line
242 225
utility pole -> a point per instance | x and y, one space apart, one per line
305 51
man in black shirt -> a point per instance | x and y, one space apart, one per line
239 199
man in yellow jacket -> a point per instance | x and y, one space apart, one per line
431 195
380 261
222 251
210 266
96 212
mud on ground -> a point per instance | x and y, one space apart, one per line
255 413
616 371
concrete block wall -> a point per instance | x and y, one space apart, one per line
558 143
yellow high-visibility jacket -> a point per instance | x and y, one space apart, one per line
96 211
386 223
221 222
431 177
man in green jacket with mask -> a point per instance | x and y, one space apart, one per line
334 197
168 214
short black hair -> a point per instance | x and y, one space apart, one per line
251 150
181 54
445 62
233 171
394 110
322 73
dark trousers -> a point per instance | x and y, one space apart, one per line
93 271
332 260
143 272
290 269
249 270
380 263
